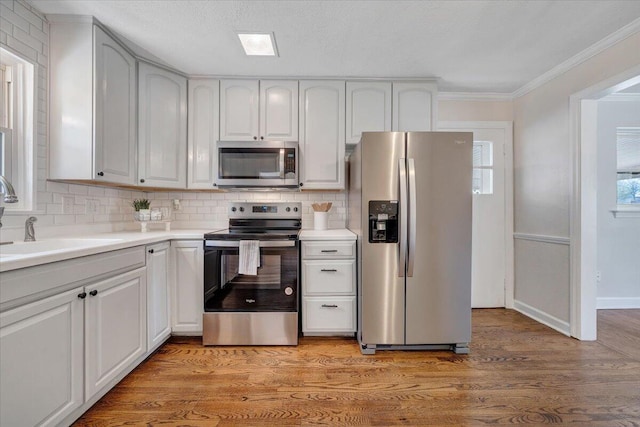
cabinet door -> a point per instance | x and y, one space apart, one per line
368 108
41 365
204 121
158 326
115 103
414 106
322 129
278 110
162 131
239 110
115 327
187 293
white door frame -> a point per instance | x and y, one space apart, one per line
507 127
583 218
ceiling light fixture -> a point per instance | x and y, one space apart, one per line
258 44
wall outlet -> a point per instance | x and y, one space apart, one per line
91 206
67 204
176 204
598 276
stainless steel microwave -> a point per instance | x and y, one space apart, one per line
257 165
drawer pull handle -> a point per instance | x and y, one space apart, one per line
329 250
329 306
331 270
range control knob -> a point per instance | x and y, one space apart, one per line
288 209
233 209
241 209
288 290
295 209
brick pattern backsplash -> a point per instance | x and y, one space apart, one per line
211 209
69 207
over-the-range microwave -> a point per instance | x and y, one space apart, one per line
257 165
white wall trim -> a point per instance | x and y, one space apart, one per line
507 127
605 303
621 96
583 200
581 57
557 240
474 96
542 317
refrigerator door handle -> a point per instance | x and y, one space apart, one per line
412 216
402 174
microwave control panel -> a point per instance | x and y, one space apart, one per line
383 221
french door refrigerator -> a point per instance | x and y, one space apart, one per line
409 202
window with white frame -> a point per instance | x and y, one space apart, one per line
628 165
17 115
482 167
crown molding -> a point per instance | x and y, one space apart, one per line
474 96
591 51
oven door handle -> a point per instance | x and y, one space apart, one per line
236 243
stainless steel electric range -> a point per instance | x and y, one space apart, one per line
247 309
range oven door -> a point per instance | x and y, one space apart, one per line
273 289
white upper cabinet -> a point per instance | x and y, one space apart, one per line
278 110
414 106
92 105
322 130
204 113
162 128
252 110
368 108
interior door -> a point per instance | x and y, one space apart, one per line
488 271
438 290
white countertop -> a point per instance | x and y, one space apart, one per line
330 234
43 251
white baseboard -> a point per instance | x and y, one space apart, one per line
611 303
542 317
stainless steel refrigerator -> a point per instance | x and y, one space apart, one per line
409 202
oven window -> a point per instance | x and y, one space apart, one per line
249 163
274 288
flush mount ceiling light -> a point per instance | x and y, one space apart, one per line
258 44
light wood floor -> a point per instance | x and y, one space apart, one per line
518 372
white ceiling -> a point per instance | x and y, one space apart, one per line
470 46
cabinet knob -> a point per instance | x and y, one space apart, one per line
255 138
93 293
82 295
151 251
142 180
262 137
301 184
100 173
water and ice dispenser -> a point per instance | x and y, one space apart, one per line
383 221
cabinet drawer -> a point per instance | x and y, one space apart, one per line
328 250
334 277
329 314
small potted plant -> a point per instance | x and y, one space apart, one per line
143 213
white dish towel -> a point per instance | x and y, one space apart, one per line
249 257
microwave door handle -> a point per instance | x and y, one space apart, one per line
282 163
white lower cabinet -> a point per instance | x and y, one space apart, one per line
187 286
115 327
158 324
41 360
328 288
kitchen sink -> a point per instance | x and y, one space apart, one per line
30 248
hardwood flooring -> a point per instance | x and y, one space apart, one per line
518 372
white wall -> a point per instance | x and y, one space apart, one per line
542 183
618 238
472 111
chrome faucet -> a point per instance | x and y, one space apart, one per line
29 232
9 192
